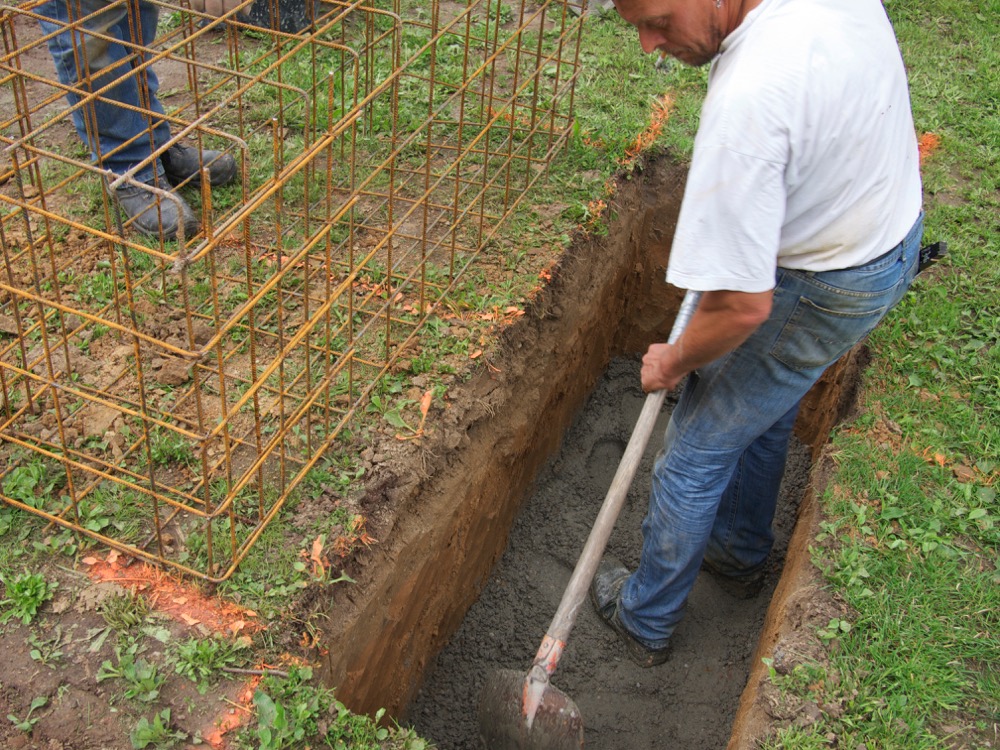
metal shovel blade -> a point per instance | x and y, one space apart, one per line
557 724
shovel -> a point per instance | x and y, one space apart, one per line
519 711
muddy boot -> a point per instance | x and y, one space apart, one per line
605 593
738 587
182 164
149 215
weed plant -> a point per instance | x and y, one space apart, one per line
204 660
142 679
125 611
33 482
157 733
293 712
26 594
28 722
48 651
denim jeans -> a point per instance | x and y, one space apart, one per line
119 138
715 484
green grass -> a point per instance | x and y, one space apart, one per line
170 448
292 711
911 532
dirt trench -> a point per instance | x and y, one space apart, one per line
689 702
455 503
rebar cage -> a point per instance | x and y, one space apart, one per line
167 397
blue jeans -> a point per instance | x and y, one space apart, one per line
119 138
715 485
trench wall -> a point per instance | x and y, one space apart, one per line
607 298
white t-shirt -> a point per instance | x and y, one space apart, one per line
805 156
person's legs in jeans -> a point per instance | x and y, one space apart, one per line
119 137
724 409
123 126
721 412
741 535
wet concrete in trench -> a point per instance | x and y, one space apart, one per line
690 701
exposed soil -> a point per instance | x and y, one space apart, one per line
690 701
60 655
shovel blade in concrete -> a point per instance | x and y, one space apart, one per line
557 724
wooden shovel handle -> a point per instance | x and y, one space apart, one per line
586 565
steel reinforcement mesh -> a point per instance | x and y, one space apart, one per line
167 397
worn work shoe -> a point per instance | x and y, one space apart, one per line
182 164
605 591
152 216
738 587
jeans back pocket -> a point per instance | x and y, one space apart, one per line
814 336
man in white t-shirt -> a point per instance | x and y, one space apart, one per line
800 225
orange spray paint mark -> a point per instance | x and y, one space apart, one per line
241 709
927 144
239 715
658 118
185 604
175 598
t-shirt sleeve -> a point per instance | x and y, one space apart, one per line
729 227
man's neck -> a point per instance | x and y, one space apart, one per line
735 11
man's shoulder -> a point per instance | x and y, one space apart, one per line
792 31
803 48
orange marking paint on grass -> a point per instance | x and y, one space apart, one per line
595 210
927 144
241 710
173 597
214 733
645 139
187 605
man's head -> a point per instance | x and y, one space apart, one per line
690 30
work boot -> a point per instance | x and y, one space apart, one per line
605 593
182 164
151 216
738 587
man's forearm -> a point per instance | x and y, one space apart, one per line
722 322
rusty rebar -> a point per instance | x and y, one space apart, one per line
188 387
